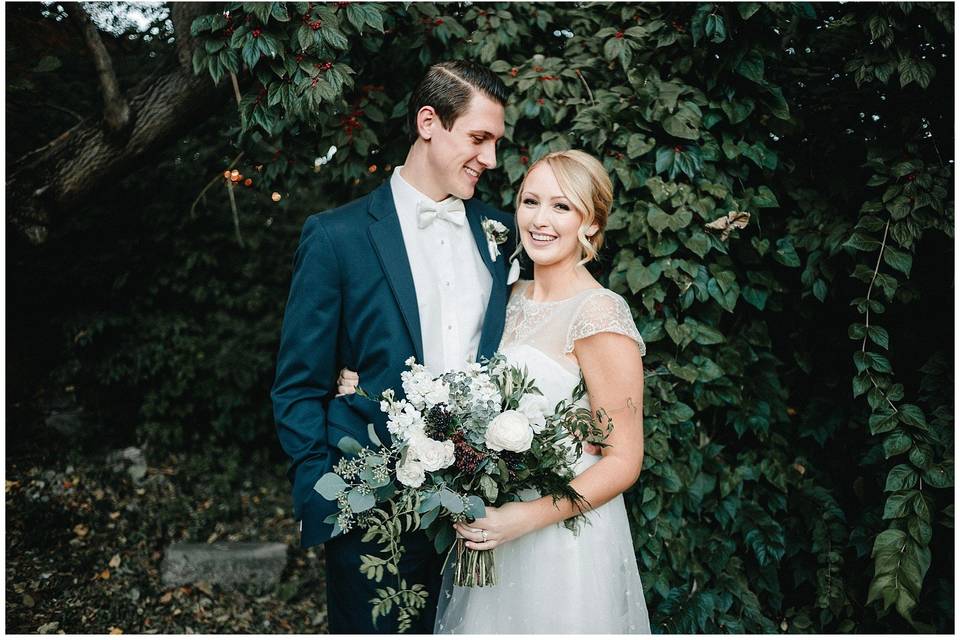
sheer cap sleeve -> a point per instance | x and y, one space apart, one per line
603 311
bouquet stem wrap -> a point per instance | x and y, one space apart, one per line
473 568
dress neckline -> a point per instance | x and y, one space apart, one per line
525 298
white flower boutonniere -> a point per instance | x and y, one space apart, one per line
496 235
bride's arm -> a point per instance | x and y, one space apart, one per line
613 370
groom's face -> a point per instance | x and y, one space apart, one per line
459 157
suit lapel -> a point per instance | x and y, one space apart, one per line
493 319
387 238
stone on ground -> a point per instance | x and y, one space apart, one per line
227 564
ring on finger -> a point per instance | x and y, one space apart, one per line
483 534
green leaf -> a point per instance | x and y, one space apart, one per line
747 9
820 289
940 475
879 336
360 502
901 477
883 422
349 446
764 198
488 488
329 485
305 37
896 443
786 254
638 145
372 434
898 504
640 276
912 415
698 242
861 384
685 122
475 508
684 372
715 28
451 501
738 110
334 37
899 260
751 66
754 296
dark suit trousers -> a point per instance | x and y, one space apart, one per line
349 591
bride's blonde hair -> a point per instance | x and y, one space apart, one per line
586 184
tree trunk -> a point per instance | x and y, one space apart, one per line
62 174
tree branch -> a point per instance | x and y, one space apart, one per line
116 111
63 174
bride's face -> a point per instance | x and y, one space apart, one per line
548 221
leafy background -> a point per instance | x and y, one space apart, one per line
799 402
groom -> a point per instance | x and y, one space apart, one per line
406 270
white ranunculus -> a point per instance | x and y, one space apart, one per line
510 431
432 454
411 473
438 394
536 408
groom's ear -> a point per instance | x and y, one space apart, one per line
427 119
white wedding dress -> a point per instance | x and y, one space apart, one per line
550 580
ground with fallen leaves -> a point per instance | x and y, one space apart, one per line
85 537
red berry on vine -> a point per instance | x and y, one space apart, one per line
678 149
514 71
299 57
524 160
911 177
256 33
438 22
618 35
540 101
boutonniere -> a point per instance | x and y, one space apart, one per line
496 234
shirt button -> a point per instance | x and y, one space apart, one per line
447 283
450 327
443 242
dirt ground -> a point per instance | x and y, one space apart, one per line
86 532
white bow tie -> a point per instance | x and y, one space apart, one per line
451 210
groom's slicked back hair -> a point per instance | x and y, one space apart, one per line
448 87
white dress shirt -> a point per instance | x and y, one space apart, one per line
452 282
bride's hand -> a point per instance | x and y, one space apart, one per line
501 524
347 383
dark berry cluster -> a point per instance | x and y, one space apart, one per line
468 458
439 422
514 461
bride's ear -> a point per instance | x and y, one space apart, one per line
426 120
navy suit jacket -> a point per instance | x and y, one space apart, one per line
353 304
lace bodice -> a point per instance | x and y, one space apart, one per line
554 327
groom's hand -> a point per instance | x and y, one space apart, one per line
348 382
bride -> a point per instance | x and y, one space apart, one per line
561 325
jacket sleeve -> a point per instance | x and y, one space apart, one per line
306 363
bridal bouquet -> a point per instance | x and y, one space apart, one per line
458 441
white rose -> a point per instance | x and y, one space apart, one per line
411 473
536 408
509 431
432 454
